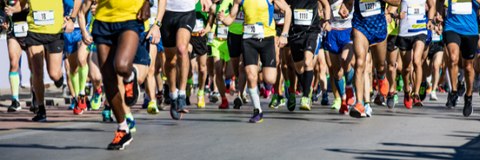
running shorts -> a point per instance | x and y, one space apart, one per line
336 40
235 45
172 22
309 41
71 40
467 44
406 43
263 47
220 50
391 43
20 40
142 56
374 35
434 49
53 43
199 45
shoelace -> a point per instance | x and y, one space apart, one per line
118 136
129 89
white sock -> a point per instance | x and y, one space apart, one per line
82 92
154 101
255 98
174 94
129 79
448 79
123 126
429 79
181 92
461 76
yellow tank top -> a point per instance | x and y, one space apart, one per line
260 11
45 18
118 10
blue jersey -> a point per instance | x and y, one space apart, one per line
460 19
369 18
68 9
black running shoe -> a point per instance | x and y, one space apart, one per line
173 111
40 117
467 108
131 90
460 88
121 140
59 83
291 102
187 100
423 91
167 99
391 100
237 103
452 99
181 103
325 99
15 106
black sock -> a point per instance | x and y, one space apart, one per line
300 77
107 108
280 97
307 82
41 109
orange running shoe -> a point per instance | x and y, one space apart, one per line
383 86
82 102
350 95
358 111
407 101
429 89
344 107
224 104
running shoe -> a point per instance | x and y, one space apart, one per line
173 110
267 94
383 86
82 102
423 91
460 88
399 83
182 106
96 101
429 88
237 103
314 97
145 103
407 100
227 90
262 92
417 102
344 107
257 117
350 95
187 101
224 104
131 124
244 98
273 102
77 110
395 97
467 108
160 100
15 106
379 100
200 101
305 104
89 107
34 104
72 104
368 110
433 96
337 103
107 116
390 100
214 97
325 99
166 92
291 102
441 89
131 90
40 117
282 102
358 111
121 140
452 100
152 107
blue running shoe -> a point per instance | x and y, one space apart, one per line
96 101
72 105
257 117
107 116
325 99
131 124
146 100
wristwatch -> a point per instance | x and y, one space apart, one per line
328 20
159 24
431 20
285 35
74 19
392 15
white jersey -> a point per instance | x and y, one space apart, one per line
415 21
181 5
337 21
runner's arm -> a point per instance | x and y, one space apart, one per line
210 20
69 25
154 32
23 3
233 13
82 21
283 6
327 11
431 13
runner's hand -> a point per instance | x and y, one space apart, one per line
343 12
439 18
205 5
326 26
68 25
282 42
4 26
430 25
87 39
403 14
204 31
221 15
439 29
9 10
389 18
144 12
155 34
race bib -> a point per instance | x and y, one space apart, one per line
303 16
198 25
20 29
279 18
253 31
435 37
211 36
416 10
222 30
240 17
335 10
462 7
43 18
370 8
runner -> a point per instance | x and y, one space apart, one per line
259 32
369 29
278 100
44 39
303 41
16 32
340 47
435 57
392 56
460 34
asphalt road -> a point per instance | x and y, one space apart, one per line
430 132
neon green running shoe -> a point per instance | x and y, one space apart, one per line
305 104
273 103
337 103
152 107
96 101
283 102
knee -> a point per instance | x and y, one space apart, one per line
202 69
417 63
13 66
360 64
252 78
183 52
468 66
270 79
82 61
55 76
123 69
453 59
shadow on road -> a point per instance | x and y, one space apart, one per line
468 151
38 146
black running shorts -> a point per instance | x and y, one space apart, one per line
199 45
467 44
235 45
53 43
306 42
391 43
263 47
172 21
406 43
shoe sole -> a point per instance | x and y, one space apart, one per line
14 110
470 110
42 120
214 99
152 111
304 107
356 114
237 103
418 104
260 121
123 146
176 115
